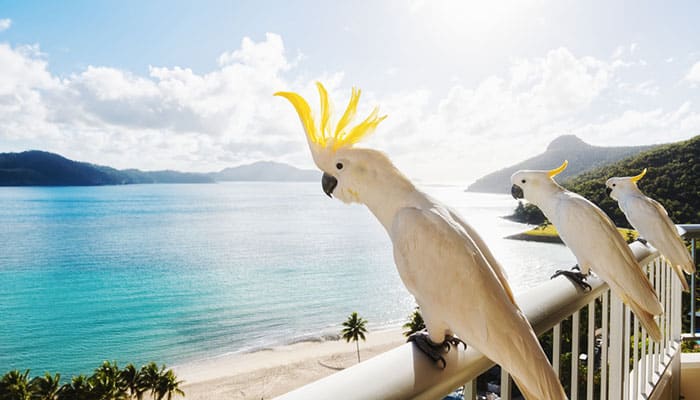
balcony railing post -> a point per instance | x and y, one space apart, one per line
506 385
615 350
692 288
470 390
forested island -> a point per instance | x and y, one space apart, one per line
673 179
40 168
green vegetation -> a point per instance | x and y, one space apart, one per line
108 382
673 180
546 232
415 323
527 213
354 329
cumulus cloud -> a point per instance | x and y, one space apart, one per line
176 118
512 116
5 23
170 118
693 75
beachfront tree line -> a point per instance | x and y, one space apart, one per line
108 382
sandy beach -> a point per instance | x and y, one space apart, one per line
269 373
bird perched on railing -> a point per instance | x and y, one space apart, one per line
652 222
595 242
457 282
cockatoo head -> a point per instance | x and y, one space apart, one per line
345 168
528 184
619 186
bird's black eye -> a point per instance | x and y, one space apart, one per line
339 165
523 181
614 184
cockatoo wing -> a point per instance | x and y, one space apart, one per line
495 265
596 242
652 221
458 290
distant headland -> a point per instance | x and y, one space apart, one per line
40 168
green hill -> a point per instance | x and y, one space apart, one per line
673 179
581 155
40 168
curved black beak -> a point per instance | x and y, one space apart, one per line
329 183
608 190
517 192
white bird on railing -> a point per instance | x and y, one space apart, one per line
594 240
443 262
652 222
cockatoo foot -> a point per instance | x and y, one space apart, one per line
641 240
432 349
454 341
575 277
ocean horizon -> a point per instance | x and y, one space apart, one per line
186 272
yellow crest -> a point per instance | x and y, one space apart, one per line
638 177
556 171
321 134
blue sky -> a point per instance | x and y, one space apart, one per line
469 87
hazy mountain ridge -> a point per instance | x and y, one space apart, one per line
581 155
40 168
265 171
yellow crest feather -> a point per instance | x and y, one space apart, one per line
325 114
304 111
638 177
556 171
342 136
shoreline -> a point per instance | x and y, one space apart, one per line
271 372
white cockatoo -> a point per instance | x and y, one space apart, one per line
456 281
594 240
651 220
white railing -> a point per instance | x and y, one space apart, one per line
628 365
691 232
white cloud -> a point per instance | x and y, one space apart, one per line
176 118
5 24
171 118
502 120
693 75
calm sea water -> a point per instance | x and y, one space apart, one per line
175 273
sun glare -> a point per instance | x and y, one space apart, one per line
464 21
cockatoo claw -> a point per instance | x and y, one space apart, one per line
641 240
575 277
432 349
454 341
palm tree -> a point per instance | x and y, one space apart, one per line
79 388
107 383
132 380
168 385
354 329
151 377
45 387
14 385
415 323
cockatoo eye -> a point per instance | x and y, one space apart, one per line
523 181
614 184
339 166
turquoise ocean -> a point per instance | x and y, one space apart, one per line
178 273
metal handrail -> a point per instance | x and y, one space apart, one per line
404 372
